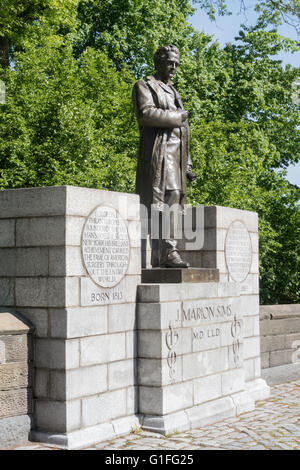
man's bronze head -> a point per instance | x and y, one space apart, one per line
166 61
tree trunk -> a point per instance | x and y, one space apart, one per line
4 52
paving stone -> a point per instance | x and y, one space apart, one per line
273 425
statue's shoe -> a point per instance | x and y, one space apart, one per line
174 261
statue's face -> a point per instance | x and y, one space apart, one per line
169 66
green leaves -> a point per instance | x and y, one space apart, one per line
64 119
131 30
17 15
270 12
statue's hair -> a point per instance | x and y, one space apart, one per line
162 53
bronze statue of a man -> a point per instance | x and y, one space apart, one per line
164 161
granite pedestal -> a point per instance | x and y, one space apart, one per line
192 340
199 342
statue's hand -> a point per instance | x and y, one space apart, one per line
190 175
184 116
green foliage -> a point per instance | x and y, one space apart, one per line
270 12
131 30
66 122
68 118
245 127
17 15
232 163
279 243
278 12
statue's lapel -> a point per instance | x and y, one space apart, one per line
178 97
155 85
165 87
160 88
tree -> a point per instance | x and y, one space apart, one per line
232 162
65 121
245 126
271 12
16 16
131 30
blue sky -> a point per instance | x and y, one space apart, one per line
226 28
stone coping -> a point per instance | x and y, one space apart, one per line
11 323
60 201
276 312
281 374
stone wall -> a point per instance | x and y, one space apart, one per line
85 367
280 334
16 368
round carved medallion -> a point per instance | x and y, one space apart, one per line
238 251
105 246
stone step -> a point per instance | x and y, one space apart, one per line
178 276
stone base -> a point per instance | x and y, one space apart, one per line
201 415
258 389
89 436
193 343
14 430
281 374
174 275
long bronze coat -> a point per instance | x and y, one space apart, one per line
156 121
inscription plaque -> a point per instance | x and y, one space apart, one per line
201 312
105 246
238 251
